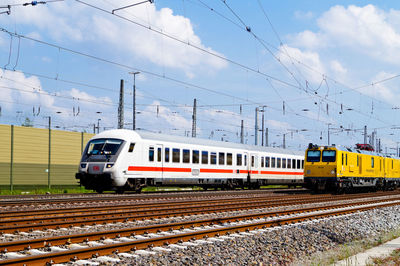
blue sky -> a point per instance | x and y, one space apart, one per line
313 65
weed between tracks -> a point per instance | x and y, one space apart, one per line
349 249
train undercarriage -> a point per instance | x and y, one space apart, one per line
350 184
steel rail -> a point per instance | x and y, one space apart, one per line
90 252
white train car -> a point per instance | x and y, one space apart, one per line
130 160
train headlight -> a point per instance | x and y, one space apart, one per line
83 165
109 165
333 172
308 172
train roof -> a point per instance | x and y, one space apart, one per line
373 153
195 141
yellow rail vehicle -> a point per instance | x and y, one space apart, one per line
331 168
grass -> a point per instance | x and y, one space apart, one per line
41 191
349 249
392 259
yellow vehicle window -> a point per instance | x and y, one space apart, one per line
329 156
313 156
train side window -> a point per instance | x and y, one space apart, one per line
221 158
302 164
266 161
273 159
252 161
195 156
238 159
392 164
372 162
213 158
151 154
346 158
131 147
186 156
166 155
229 158
262 162
278 162
158 154
289 163
204 157
298 164
245 160
284 163
358 159
342 159
176 155
293 163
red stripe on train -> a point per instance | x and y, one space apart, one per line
204 170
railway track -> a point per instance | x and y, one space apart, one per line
127 240
53 219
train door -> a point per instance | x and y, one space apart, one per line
160 161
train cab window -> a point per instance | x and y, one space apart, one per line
229 158
283 163
267 162
204 157
313 156
298 164
195 156
176 155
151 154
131 147
328 155
293 163
159 154
186 156
245 160
213 158
262 162
273 160
238 159
372 162
221 158
289 163
302 164
278 162
166 155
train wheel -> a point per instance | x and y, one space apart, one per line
120 190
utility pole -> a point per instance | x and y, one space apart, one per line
256 128
241 132
284 140
134 99
194 118
266 137
262 127
98 125
49 159
365 134
121 106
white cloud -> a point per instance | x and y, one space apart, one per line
85 24
337 68
367 30
311 59
383 91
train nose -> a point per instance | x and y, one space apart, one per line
96 169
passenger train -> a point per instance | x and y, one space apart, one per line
124 160
341 169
